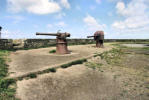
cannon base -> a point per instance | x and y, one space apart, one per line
62 49
99 44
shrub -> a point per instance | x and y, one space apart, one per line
32 75
52 51
52 69
74 63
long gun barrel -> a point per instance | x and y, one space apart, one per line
90 36
52 34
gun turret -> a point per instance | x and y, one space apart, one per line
61 45
98 37
0 31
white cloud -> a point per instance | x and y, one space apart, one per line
98 1
92 7
92 23
37 6
78 7
60 15
15 18
135 16
61 24
49 26
65 3
17 34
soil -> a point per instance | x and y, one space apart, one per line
26 61
127 80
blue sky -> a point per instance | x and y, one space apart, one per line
119 19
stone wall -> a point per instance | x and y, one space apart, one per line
6 44
9 44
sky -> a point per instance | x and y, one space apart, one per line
119 19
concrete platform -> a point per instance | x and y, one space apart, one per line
26 61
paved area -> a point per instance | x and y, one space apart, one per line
26 61
136 45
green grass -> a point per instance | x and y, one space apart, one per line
52 51
7 88
93 65
81 61
52 70
113 56
32 75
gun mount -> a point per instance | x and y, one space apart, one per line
99 38
0 31
61 42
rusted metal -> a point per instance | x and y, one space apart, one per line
99 38
61 41
0 31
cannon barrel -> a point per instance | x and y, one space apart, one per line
52 34
0 28
90 36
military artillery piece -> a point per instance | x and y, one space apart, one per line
98 37
0 31
61 42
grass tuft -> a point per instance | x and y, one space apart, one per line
32 75
81 61
52 51
6 91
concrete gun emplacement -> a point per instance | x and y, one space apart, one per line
99 38
61 41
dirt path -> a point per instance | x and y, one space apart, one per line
27 61
75 83
93 80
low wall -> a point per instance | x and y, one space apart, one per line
6 44
9 44
37 43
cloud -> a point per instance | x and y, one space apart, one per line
134 13
60 24
92 23
60 15
98 1
65 3
17 34
36 6
15 18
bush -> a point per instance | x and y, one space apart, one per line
74 63
52 69
32 75
52 51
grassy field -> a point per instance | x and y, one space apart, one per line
7 86
129 66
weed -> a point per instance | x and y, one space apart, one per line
73 63
6 92
52 69
32 75
52 51
94 65
113 56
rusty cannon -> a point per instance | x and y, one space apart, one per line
0 31
61 42
99 38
